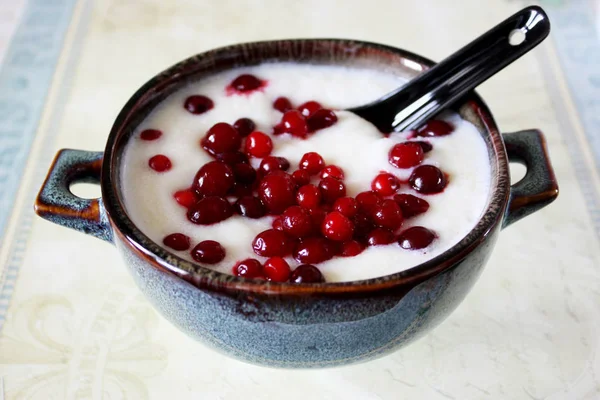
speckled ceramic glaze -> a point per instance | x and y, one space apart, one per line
281 324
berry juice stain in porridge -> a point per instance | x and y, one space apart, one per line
258 172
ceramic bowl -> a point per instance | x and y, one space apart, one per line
282 324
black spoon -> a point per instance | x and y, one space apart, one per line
429 93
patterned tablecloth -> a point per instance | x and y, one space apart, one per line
74 326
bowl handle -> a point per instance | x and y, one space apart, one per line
538 188
56 203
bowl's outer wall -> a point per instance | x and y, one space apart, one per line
307 332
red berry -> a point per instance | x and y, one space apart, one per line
208 252
294 123
411 205
317 215
435 128
332 189
388 215
309 108
177 241
301 177
233 157
276 269
258 144
307 273
250 207
277 224
313 250
271 163
336 226
244 174
297 221
246 83
346 205
426 146
282 104
240 190
273 243
351 248
416 238
198 104
160 163
277 191
244 126
209 210
332 171
221 138
150 134
367 202
213 179
385 184
380 237
308 196
248 268
321 119
406 155
186 198
312 163
427 179
362 226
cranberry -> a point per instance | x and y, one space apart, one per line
213 179
346 205
416 238
277 191
221 138
317 215
321 119
332 189
312 163
244 126
336 226
240 190
250 207
313 250
406 155
186 198
244 174
258 144
273 243
380 237
210 210
333 171
427 179
160 163
271 163
388 215
198 104
362 226
246 83
277 224
307 273
385 184
435 128
297 221
233 157
411 205
351 248
208 252
301 177
294 123
309 108
150 134
249 268
278 130
308 196
276 269
368 202
177 241
282 104
426 146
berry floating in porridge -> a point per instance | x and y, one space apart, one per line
258 172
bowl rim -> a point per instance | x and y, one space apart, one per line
206 278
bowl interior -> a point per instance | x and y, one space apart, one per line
315 51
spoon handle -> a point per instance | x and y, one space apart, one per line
421 98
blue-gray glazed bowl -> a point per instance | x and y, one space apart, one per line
282 324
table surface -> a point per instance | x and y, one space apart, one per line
74 326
